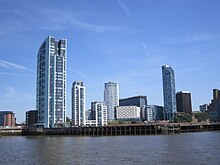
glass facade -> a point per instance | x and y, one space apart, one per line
152 113
111 99
138 101
169 92
51 83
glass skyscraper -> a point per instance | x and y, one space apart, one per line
51 82
169 92
111 99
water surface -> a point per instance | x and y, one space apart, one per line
190 148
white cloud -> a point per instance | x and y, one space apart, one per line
10 65
124 8
51 19
10 92
59 20
145 48
77 72
92 27
14 74
180 39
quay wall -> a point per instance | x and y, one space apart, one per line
10 131
114 130
119 130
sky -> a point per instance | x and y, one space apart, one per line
124 41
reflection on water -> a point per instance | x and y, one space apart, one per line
190 148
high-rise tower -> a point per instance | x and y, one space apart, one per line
111 98
78 104
51 82
169 92
183 102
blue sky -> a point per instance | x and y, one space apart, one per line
125 41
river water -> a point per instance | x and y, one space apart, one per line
190 148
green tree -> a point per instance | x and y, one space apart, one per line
183 117
202 116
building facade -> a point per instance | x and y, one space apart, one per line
111 98
138 101
214 107
31 118
89 115
152 113
127 112
183 102
203 108
99 113
7 119
169 92
51 82
78 104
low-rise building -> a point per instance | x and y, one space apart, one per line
7 118
92 123
152 113
127 112
97 115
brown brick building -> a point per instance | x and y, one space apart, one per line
7 118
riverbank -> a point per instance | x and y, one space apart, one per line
115 130
11 131
119 130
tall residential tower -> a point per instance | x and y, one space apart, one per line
78 104
169 92
51 82
111 98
